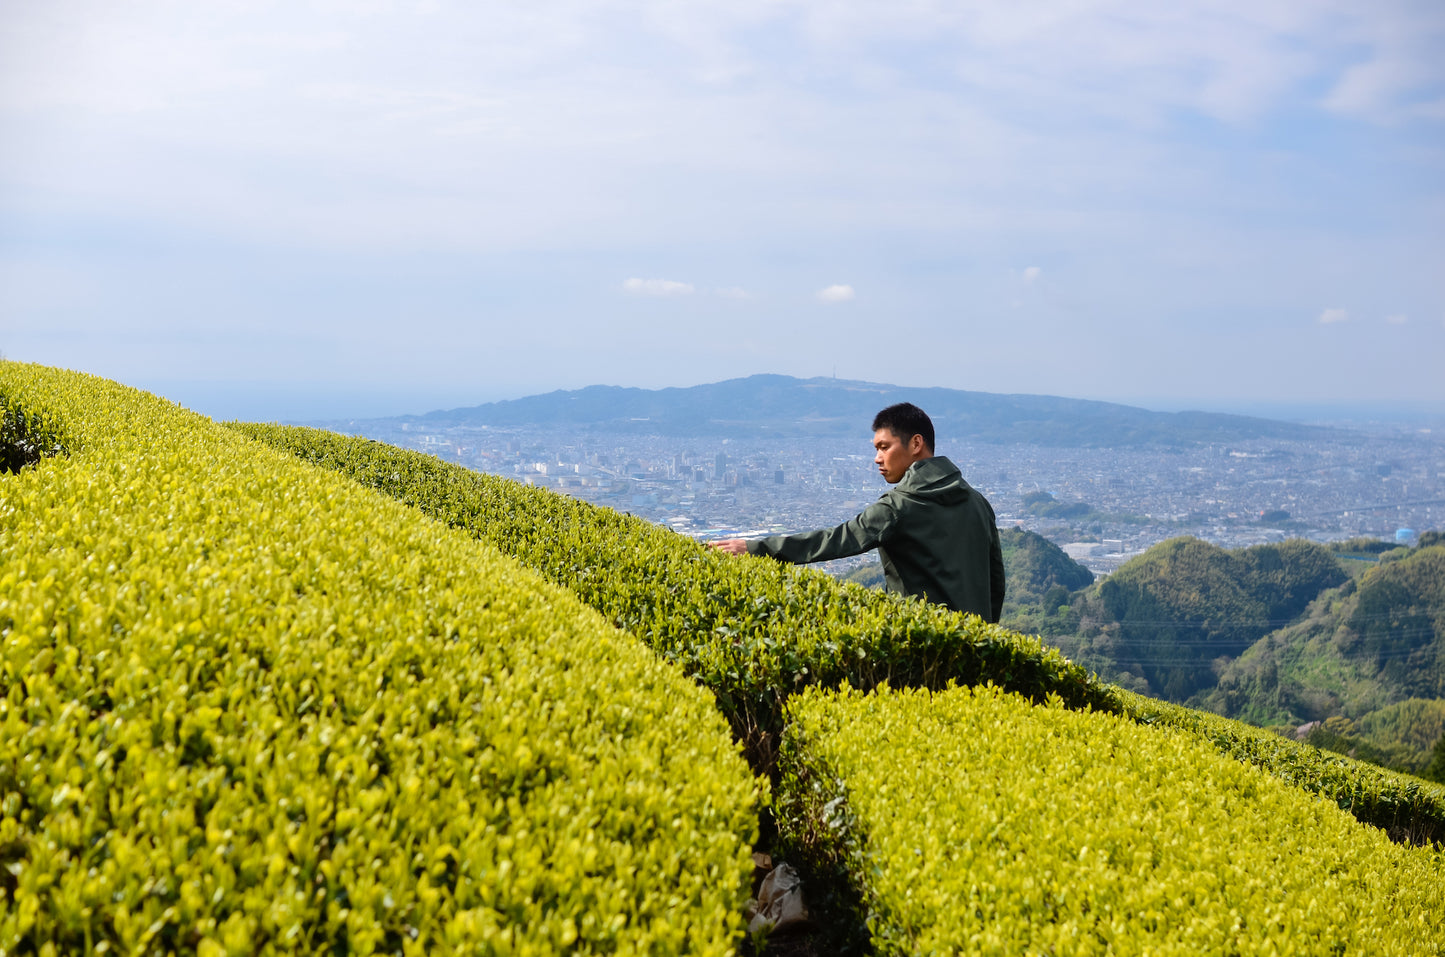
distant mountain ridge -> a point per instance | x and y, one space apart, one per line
777 405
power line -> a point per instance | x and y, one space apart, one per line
1353 654
1252 622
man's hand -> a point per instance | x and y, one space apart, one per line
733 546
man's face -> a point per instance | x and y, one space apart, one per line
894 455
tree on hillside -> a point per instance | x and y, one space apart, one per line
1287 576
869 576
1045 505
1416 724
1435 770
1361 546
1397 626
1391 737
1178 607
1033 565
1371 649
1174 615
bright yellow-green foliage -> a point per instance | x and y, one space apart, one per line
247 706
979 823
753 631
1406 807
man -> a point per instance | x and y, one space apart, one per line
936 535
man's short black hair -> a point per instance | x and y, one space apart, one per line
906 420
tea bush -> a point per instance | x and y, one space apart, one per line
247 706
972 821
753 632
1408 808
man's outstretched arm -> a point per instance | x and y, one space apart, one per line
853 537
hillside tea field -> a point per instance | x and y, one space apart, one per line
752 631
756 632
248 705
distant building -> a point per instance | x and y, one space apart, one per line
1404 536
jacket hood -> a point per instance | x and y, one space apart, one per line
935 479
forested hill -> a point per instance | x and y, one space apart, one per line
1039 572
763 405
1375 641
1166 617
1282 635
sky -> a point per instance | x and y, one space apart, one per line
306 210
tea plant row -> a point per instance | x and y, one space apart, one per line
973 821
755 632
752 631
247 706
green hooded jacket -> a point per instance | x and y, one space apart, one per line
936 536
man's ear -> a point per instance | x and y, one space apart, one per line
917 447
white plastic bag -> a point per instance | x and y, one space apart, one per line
779 904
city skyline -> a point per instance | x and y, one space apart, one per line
1234 494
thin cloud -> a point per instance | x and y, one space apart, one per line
836 294
1032 274
732 292
1398 319
1399 76
1333 315
657 287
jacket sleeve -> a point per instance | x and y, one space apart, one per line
854 537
